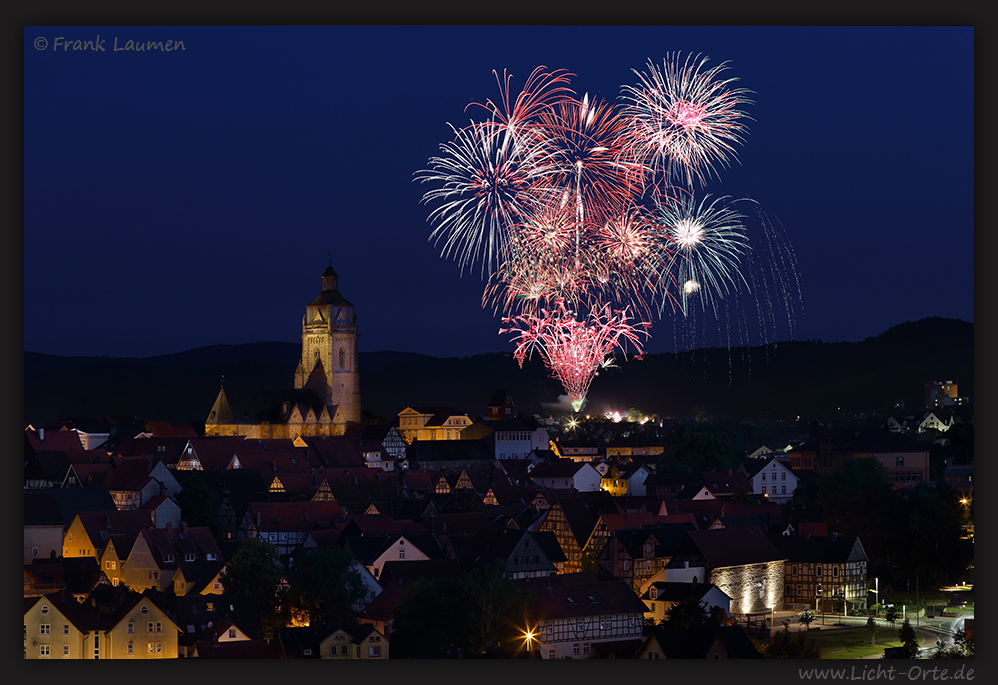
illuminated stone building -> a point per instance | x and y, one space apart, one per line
742 562
326 394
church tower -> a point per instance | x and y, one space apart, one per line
329 351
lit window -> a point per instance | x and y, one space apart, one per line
131 648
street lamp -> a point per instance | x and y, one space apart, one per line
818 601
772 620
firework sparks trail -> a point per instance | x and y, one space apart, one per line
685 117
709 238
542 91
574 351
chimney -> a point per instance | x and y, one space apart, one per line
183 527
258 519
41 433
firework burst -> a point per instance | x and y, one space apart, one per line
574 351
709 240
485 189
572 204
684 117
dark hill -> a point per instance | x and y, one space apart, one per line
783 380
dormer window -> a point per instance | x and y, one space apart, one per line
189 557
168 558
654 593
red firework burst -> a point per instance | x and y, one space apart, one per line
574 351
685 117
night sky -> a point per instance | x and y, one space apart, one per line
190 198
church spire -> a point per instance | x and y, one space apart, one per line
330 279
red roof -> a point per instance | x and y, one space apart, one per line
293 515
56 441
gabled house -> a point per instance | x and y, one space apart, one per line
772 478
432 423
565 474
285 524
821 570
360 641
373 551
133 481
720 642
501 406
526 554
572 520
158 553
135 627
216 619
636 555
47 514
572 613
89 532
660 597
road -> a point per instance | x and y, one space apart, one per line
942 629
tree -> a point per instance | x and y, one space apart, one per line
433 616
325 585
807 618
703 447
892 614
590 557
873 628
909 640
689 612
256 570
787 645
495 603
199 506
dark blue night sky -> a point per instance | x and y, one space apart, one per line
189 198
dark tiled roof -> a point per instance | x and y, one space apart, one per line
815 548
735 547
577 595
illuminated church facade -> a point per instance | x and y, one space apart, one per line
326 394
